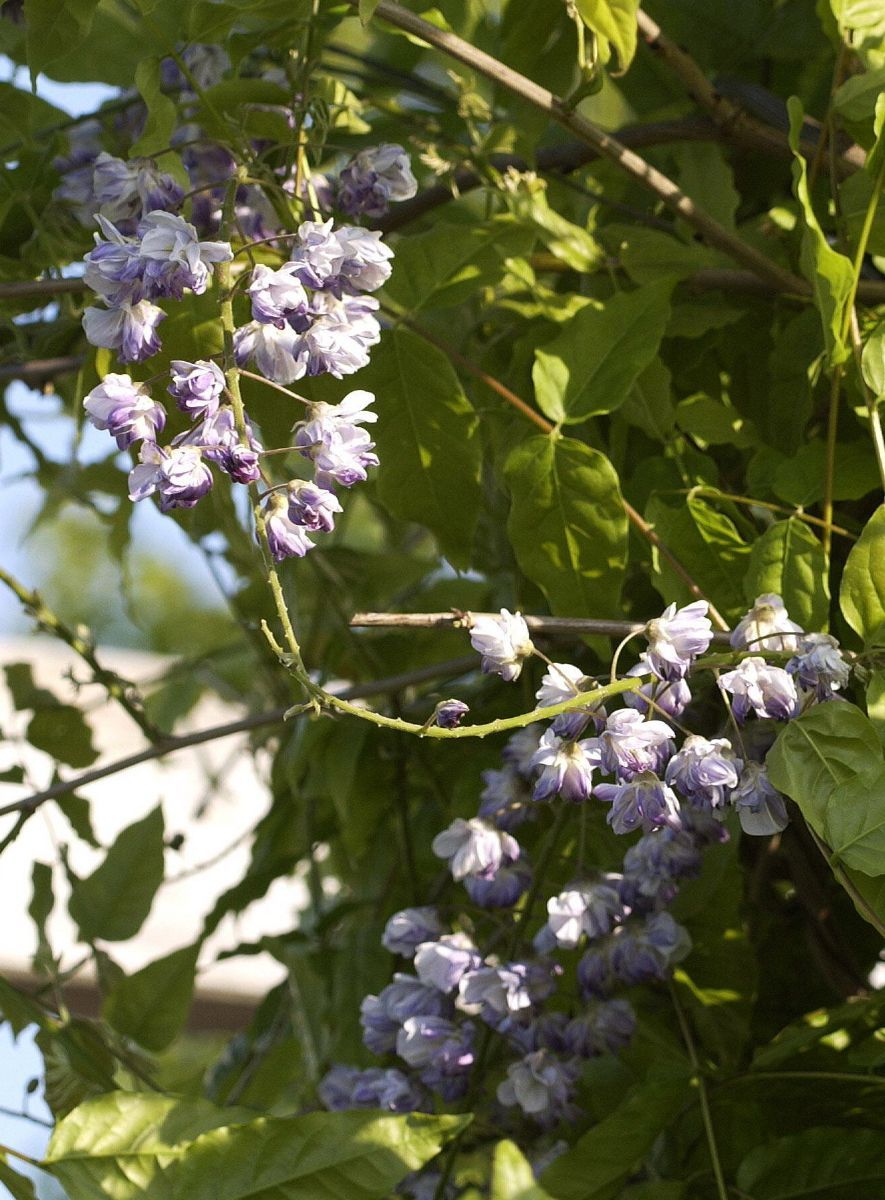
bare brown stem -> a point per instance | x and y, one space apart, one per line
550 626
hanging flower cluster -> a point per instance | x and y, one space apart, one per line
495 1019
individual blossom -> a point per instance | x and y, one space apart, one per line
178 475
604 1027
284 537
442 963
705 771
630 744
503 643
761 808
125 409
130 329
316 253
437 1043
560 682
173 256
497 991
541 1085
278 353
382 1016
587 910
449 714
767 626
196 386
818 665
670 698
364 265
373 178
339 335
677 638
345 1088
278 297
503 890
754 686
113 268
505 799
645 950
566 767
475 847
344 458
643 802
217 435
654 863
312 506
408 928
124 190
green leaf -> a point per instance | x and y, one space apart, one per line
18 1186
42 903
25 693
113 902
22 114
159 1148
862 594
512 1175
592 365
855 101
606 1155
63 733
649 404
789 561
428 440
830 761
615 20
873 361
708 546
820 1163
367 10
161 111
450 263
78 812
151 1006
567 524
714 423
18 1009
829 273
54 28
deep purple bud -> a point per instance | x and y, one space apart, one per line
605 1027
450 713
407 929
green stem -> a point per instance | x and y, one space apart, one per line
703 1099
34 1162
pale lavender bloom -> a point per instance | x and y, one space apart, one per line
505 798
475 847
503 642
344 457
561 682
173 256
75 167
178 475
767 626
123 190
819 666
408 928
125 409
566 767
285 538
641 952
520 747
676 638
590 910
631 744
503 891
373 178
500 990
441 964
130 329
196 386
705 771
541 1084
278 354
113 268
606 1027
760 806
317 253
450 713
653 863
437 1043
364 265
643 802
206 66
757 687
345 1088
312 506
277 296
219 437
144 478
340 334
672 698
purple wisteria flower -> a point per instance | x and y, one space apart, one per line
284 537
605 1027
125 409
442 963
172 256
178 475
704 771
344 260
408 928
277 353
630 744
125 190
217 435
312 506
450 713
643 802
340 334
767 626
475 847
596 978
677 638
541 1085
757 687
373 178
505 799
646 950
560 682
497 991
566 767
382 1016
502 891
502 642
196 386
345 1088
654 863
442 1045
585 910
760 806
818 665
278 297
130 329
670 698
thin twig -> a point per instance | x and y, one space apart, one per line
606 145
214 733
550 626
703 1099
42 368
